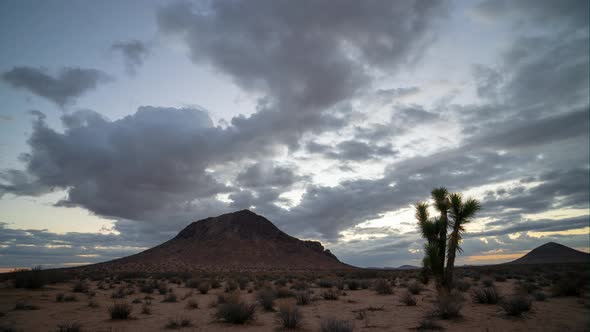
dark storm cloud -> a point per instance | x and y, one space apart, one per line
137 167
309 54
544 225
63 88
566 14
305 58
264 174
134 52
352 150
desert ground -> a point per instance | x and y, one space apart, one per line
351 302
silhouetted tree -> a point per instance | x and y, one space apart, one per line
434 230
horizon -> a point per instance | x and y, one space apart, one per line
122 122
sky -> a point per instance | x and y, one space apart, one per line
122 122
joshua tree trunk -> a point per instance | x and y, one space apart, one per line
442 245
451 259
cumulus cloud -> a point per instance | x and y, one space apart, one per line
63 88
134 52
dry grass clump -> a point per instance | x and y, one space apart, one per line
170 298
61 297
120 310
290 317
517 304
178 322
69 326
408 299
335 325
22 305
331 294
382 287
415 287
303 297
485 295
266 298
449 305
234 311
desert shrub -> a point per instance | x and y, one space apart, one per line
32 279
281 282
340 284
462 285
203 287
215 284
192 304
22 305
485 295
80 287
300 286
284 292
334 325
170 297
162 288
235 312
500 278
146 308
92 303
290 317
178 322
428 323
570 285
540 296
119 293
449 305
487 282
353 284
408 299
331 294
527 287
231 286
325 283
266 298
243 282
59 297
382 287
69 326
193 283
147 288
415 287
516 305
303 297
120 310
365 284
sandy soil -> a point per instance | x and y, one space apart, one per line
556 314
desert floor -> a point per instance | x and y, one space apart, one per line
383 312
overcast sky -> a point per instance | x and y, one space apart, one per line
122 122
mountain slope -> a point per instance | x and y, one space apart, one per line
553 253
239 241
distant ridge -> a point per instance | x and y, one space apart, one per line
551 253
238 241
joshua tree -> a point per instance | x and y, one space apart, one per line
435 232
461 214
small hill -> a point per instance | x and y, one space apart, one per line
239 241
552 252
408 267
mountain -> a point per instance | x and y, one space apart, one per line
408 267
239 241
553 253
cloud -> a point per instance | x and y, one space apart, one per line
64 88
265 174
352 150
134 52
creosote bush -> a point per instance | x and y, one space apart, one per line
415 287
335 325
290 317
178 322
69 326
235 312
331 294
120 310
449 305
382 287
517 304
303 297
408 299
266 298
192 304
